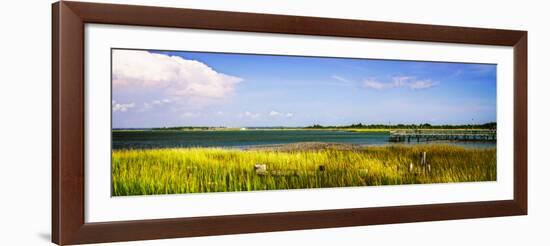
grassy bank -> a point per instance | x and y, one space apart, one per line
196 170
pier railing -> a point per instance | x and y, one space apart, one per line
419 135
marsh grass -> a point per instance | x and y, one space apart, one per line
198 170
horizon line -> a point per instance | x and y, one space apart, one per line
309 126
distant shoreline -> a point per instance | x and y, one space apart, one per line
353 127
290 129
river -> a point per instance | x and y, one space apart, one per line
250 138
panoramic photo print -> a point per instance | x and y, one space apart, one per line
198 122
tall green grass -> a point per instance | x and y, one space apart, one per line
196 170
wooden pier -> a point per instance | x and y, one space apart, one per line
424 135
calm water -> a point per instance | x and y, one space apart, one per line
250 138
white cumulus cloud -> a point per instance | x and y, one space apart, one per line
122 107
400 82
172 76
155 103
251 115
274 113
373 84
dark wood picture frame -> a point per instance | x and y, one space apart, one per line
68 224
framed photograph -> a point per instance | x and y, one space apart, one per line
174 122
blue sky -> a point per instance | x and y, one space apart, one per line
155 89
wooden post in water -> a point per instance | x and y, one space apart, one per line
423 161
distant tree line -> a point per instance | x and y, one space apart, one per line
490 125
179 128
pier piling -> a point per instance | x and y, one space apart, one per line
443 134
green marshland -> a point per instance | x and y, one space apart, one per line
177 170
